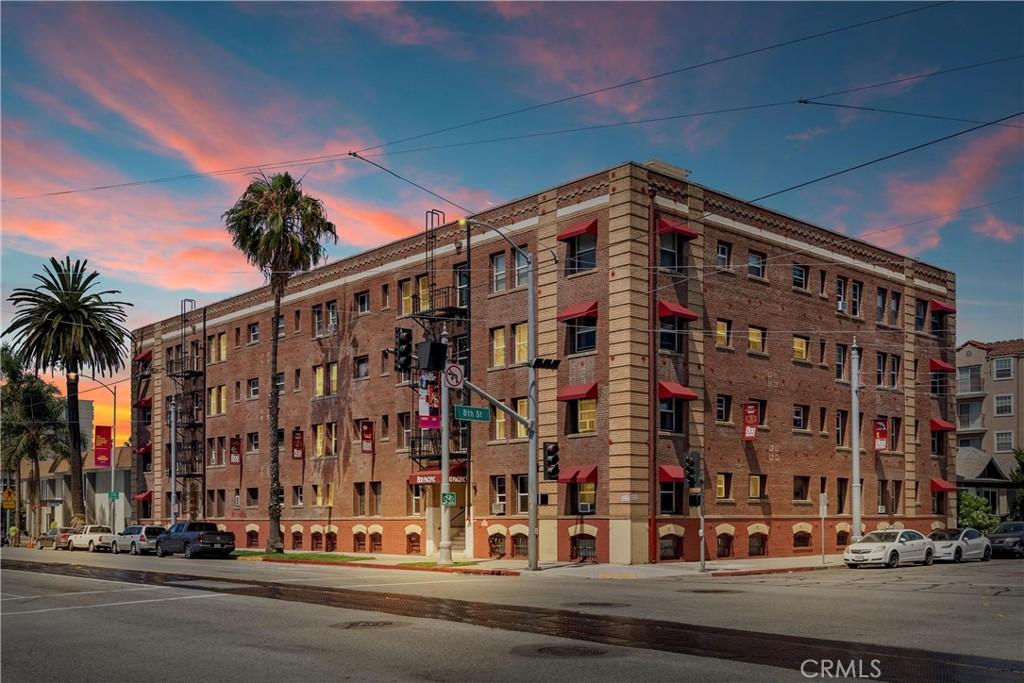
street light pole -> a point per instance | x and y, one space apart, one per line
444 555
531 334
855 444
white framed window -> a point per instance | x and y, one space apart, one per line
254 332
252 442
841 301
498 347
1004 442
363 302
801 277
670 412
757 264
498 272
522 493
582 253
253 387
416 495
1003 404
584 417
1002 368
522 269
856 294
583 334
894 371
723 408
670 248
723 255
499 494
801 417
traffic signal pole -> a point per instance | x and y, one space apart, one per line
444 555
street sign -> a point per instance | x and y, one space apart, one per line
8 498
454 376
448 499
113 495
472 413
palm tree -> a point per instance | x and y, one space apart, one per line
279 229
33 425
65 325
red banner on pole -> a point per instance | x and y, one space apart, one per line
298 445
430 401
236 450
366 441
881 435
750 420
101 444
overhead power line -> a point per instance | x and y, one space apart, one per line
651 77
338 156
879 110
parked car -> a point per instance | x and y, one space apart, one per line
890 547
1008 538
958 545
195 538
137 540
55 538
94 537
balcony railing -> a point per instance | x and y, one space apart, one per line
973 385
971 422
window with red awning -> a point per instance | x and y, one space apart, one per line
577 229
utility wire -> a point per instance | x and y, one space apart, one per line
645 79
879 110
323 158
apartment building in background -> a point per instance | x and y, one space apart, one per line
674 309
990 419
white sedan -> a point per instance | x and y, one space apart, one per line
961 544
890 547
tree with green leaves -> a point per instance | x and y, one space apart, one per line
1017 477
280 230
974 511
32 425
66 325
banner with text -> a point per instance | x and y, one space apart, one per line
430 401
366 440
881 435
101 443
236 450
750 420
298 445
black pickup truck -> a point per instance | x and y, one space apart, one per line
195 538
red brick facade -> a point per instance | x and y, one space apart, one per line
619 528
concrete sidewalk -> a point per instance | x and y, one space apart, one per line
662 570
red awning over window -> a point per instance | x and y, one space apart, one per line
673 390
938 425
145 355
578 391
141 450
587 310
144 402
676 226
667 473
144 495
667 309
577 229
942 486
456 475
936 365
940 307
574 475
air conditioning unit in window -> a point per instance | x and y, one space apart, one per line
586 508
841 306
497 508
332 328
881 509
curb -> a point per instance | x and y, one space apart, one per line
443 570
774 570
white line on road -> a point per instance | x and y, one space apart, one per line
117 604
59 595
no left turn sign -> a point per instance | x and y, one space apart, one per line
453 376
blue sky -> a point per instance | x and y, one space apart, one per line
96 94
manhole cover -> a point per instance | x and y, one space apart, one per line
567 651
594 604
708 590
364 624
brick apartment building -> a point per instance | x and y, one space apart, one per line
743 306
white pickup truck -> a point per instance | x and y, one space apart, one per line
94 537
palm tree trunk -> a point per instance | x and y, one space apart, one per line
275 543
17 502
37 525
75 437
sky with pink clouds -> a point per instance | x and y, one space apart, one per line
106 93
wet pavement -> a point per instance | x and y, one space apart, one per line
606 629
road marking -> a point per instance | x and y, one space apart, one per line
74 576
116 604
59 595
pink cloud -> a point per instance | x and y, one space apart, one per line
396 23
968 175
997 229
807 135
49 103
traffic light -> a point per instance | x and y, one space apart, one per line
551 460
691 466
403 349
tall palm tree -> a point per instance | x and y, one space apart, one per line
280 230
64 324
33 426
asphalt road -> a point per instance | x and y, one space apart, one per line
59 628
974 609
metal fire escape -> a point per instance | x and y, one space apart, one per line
436 307
187 370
